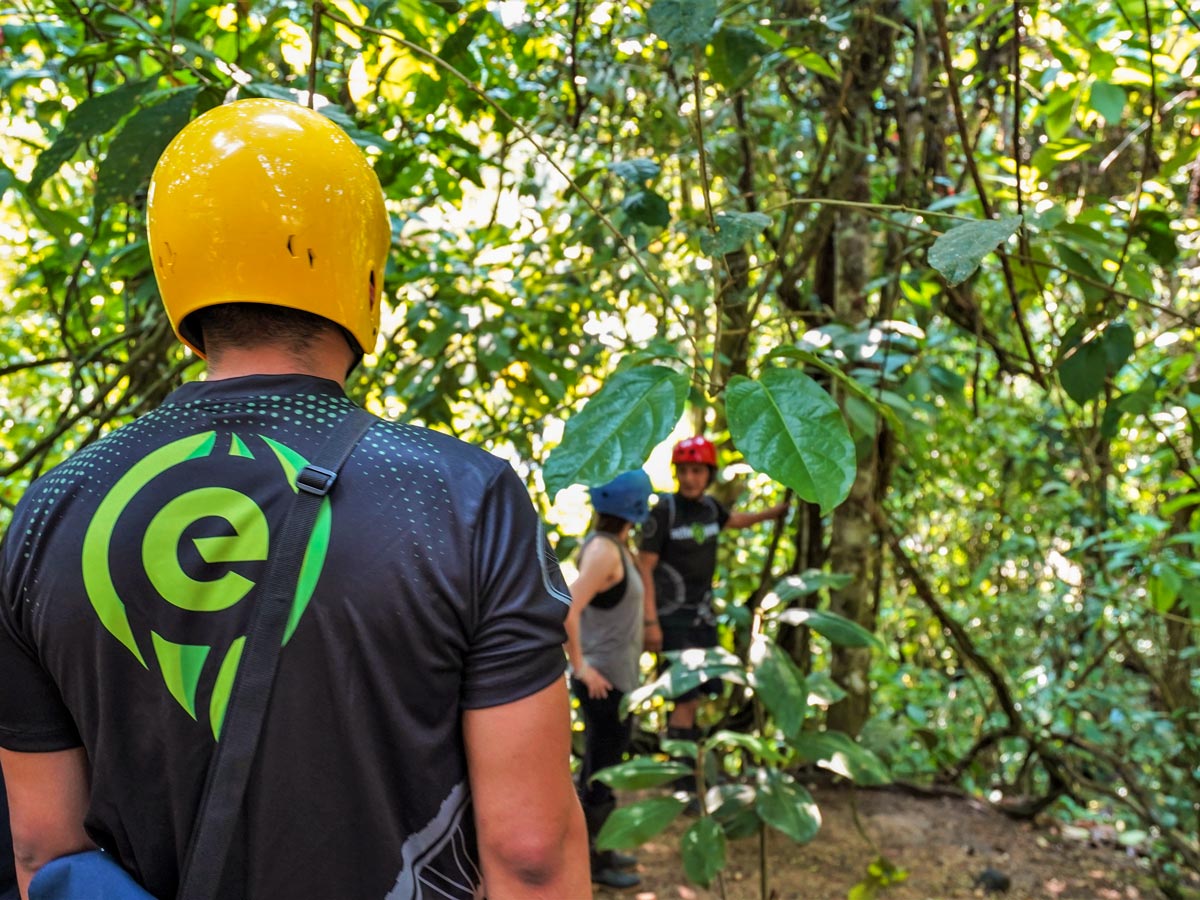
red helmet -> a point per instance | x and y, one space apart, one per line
695 450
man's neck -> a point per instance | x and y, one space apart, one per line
328 357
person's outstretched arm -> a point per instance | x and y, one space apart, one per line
47 800
746 519
532 838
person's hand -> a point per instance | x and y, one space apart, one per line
652 637
778 511
597 685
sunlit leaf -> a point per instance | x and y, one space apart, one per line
838 629
136 148
1108 100
780 685
733 230
689 669
703 850
683 24
838 753
634 410
809 582
636 171
787 426
631 826
786 806
958 252
95 116
641 772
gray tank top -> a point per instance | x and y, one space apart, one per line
612 637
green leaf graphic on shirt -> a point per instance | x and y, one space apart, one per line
97 577
181 665
247 539
224 686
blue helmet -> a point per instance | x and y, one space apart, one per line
626 496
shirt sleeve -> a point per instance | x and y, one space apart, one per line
722 512
33 718
654 533
520 601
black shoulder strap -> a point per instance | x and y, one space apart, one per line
229 771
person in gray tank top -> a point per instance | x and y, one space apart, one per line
604 641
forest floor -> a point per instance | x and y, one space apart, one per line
943 843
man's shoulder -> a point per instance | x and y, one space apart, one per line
430 445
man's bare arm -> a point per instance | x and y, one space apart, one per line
532 839
47 801
746 519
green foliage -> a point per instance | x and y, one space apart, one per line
619 426
642 772
633 825
703 849
786 806
789 428
749 228
958 252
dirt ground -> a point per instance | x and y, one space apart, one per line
943 843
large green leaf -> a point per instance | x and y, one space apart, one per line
787 426
683 24
1108 100
689 669
780 685
762 748
641 772
838 753
703 850
1089 359
736 54
633 825
733 230
648 208
93 117
634 410
809 582
958 252
636 171
838 629
137 147
786 806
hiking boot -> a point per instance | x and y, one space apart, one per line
611 877
619 860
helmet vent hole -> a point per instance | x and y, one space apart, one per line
371 292
289 244
310 257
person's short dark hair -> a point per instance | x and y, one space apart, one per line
610 524
229 325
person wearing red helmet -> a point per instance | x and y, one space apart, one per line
678 559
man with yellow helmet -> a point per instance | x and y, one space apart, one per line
416 742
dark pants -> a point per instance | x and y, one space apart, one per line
605 739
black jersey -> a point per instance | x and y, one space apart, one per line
427 587
684 533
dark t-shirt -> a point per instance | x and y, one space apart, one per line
128 576
684 533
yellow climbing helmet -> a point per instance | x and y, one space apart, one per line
265 201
